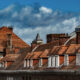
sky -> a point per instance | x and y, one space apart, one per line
29 17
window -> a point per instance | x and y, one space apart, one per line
27 63
53 61
66 60
57 61
78 59
40 62
31 63
24 63
49 61
1 64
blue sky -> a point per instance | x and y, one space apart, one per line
65 5
29 17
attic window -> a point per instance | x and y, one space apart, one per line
31 63
40 62
27 63
66 60
57 60
53 61
1 65
78 59
49 61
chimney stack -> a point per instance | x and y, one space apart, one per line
9 41
77 30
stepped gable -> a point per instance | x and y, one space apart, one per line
72 49
45 53
16 41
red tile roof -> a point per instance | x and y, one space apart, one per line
10 57
16 41
72 48
36 55
45 53
62 50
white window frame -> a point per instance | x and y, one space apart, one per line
49 61
66 60
57 61
5 64
31 63
27 62
40 62
78 59
24 63
53 61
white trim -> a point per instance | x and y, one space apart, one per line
27 62
53 61
24 63
66 60
40 62
49 61
31 63
57 60
78 59
5 64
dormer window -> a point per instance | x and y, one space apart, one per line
53 61
40 62
49 61
78 59
24 63
1 65
66 60
31 63
57 60
27 63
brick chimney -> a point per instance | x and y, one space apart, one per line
77 30
9 41
59 39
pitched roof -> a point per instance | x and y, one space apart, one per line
16 41
72 48
36 55
46 46
10 57
54 50
28 56
62 50
44 54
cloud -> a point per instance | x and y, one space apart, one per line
45 10
30 20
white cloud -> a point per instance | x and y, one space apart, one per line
45 10
28 21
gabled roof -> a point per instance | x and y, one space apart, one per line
16 41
